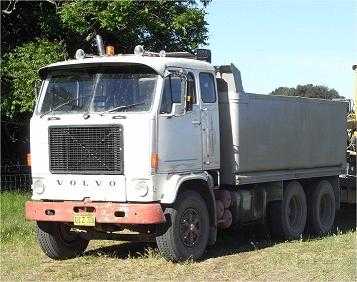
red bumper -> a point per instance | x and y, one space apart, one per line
117 213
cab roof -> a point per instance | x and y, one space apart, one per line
158 64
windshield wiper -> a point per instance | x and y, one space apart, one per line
124 107
58 106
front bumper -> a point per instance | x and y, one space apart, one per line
115 213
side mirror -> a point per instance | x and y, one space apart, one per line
177 109
167 73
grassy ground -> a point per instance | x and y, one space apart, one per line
246 255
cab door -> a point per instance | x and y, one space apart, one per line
209 120
179 134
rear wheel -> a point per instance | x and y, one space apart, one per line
185 235
322 208
287 218
58 242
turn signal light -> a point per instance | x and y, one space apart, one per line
154 161
28 159
109 50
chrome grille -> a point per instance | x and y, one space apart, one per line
86 150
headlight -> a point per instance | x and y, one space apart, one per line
142 188
38 186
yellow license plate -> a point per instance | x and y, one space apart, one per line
84 219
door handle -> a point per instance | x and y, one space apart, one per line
196 122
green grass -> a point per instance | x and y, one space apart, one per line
236 256
14 227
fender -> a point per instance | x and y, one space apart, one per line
170 188
170 185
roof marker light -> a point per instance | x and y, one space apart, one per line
162 53
109 50
139 50
80 54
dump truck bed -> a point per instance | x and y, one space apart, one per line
268 138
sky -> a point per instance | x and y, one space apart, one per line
285 42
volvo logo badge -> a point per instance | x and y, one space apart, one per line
85 183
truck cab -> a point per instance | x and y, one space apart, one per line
114 138
110 125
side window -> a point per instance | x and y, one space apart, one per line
191 89
208 91
171 94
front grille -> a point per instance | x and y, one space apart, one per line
86 150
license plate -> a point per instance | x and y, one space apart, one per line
84 219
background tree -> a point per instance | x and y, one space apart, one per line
24 21
29 28
308 90
169 25
20 68
284 91
37 33
30 33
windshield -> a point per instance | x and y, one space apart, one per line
85 91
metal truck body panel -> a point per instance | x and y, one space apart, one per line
276 135
96 186
159 64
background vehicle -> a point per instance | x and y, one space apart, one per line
172 149
348 179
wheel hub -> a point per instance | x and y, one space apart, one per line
325 209
190 227
294 211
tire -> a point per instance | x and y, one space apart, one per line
185 235
321 209
57 242
287 218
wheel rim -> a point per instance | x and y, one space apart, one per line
325 209
190 227
295 212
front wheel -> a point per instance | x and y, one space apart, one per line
58 242
185 235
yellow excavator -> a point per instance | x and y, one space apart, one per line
348 180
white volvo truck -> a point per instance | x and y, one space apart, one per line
167 147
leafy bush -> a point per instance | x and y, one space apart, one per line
20 72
